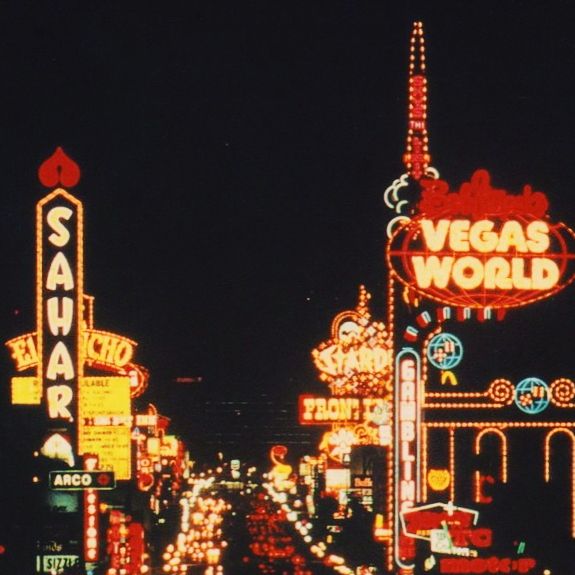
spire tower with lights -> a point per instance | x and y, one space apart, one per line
416 157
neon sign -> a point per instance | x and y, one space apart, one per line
416 157
91 518
482 247
101 350
59 292
357 359
418 522
327 410
532 395
407 422
486 565
445 351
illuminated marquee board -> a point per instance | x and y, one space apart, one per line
482 247
104 422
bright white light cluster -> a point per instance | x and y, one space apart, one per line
199 540
305 528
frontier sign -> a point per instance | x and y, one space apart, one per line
482 247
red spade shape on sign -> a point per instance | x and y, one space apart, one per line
59 170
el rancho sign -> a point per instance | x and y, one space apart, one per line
479 246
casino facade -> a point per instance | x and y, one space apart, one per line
460 260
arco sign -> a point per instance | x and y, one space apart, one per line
76 479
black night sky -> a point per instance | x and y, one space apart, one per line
234 157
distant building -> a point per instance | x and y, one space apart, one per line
244 428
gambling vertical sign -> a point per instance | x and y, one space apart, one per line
408 399
59 294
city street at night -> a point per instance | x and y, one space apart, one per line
288 288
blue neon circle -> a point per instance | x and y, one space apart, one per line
531 395
445 351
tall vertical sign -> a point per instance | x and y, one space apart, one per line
416 157
91 517
59 294
407 439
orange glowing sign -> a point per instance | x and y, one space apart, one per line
281 470
482 247
169 446
357 359
482 565
327 410
23 351
108 349
91 516
416 157
101 350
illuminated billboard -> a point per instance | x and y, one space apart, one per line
59 364
326 410
59 264
104 422
101 350
480 246
357 359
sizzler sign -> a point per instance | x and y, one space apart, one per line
482 247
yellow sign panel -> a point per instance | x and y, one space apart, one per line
104 422
104 396
111 444
26 391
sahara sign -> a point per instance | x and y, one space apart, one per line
482 247
59 294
